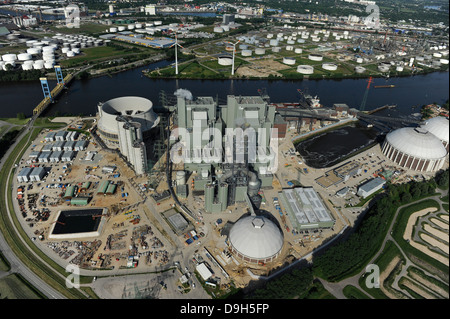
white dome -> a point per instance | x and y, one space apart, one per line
416 142
439 127
256 237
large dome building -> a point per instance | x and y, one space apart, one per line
255 239
439 127
415 148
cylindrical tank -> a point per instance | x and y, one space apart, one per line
24 56
38 65
9 57
273 42
70 54
243 46
113 30
225 60
359 60
399 68
289 48
360 69
329 66
276 49
444 61
218 29
298 50
130 27
289 60
27 67
121 28
65 50
49 65
315 57
246 52
305 69
260 51
76 50
138 25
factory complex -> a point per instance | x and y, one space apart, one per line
234 195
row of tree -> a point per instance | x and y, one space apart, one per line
20 75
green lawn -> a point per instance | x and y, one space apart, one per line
87 28
94 54
14 287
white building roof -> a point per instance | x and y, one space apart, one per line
204 271
439 127
416 142
256 237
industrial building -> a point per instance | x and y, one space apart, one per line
370 187
339 174
123 123
241 162
305 209
415 148
439 127
24 174
255 239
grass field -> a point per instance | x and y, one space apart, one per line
94 54
88 29
14 287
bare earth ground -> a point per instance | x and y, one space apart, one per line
432 241
385 274
261 68
414 287
430 285
439 223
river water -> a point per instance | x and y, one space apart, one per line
324 150
82 97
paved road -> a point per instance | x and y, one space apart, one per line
16 264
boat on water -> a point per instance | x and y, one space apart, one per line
384 86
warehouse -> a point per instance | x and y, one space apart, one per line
34 155
70 192
371 187
50 137
305 209
203 271
24 174
80 201
58 146
44 157
37 174
80 146
69 146
47 148
67 156
103 187
61 136
56 156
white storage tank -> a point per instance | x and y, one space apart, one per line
70 54
225 60
9 57
31 43
437 55
65 50
130 27
289 60
444 61
298 50
399 68
305 69
24 56
329 66
138 25
49 65
289 48
218 29
122 28
246 52
243 46
315 57
276 49
360 69
113 30
273 42
27 67
76 50
260 51
359 60
38 65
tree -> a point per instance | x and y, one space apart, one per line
21 116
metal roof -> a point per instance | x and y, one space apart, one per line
256 237
416 142
438 126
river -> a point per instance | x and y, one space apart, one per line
82 97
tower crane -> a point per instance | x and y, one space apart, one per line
363 103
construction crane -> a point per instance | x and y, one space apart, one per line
95 216
363 104
57 221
